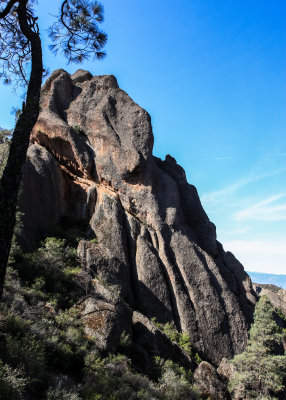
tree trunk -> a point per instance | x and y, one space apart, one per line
10 182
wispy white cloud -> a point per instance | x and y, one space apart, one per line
217 195
260 256
269 209
222 194
238 213
241 230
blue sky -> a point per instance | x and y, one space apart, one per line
212 75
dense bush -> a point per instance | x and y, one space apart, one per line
40 333
176 386
22 354
12 382
112 378
44 351
51 270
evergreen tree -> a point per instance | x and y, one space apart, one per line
260 372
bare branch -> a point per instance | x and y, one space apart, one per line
8 8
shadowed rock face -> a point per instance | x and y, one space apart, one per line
90 160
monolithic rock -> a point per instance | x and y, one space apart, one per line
276 295
90 164
209 382
225 369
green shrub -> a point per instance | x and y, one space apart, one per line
62 394
12 382
181 338
94 240
22 351
125 341
67 343
51 269
111 378
260 373
161 365
176 386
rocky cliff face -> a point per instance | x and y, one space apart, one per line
90 162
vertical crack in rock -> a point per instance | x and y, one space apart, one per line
180 295
91 161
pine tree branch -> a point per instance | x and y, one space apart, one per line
8 8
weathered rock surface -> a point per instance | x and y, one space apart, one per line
209 382
91 162
105 322
153 341
226 369
276 295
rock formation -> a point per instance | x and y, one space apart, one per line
275 295
90 163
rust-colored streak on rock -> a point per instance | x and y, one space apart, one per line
91 160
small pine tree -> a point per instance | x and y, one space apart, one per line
259 372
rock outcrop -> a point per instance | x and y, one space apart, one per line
90 163
275 294
209 382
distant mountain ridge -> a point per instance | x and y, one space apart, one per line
260 277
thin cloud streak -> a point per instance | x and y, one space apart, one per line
227 191
241 230
265 210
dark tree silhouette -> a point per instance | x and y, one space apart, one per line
76 34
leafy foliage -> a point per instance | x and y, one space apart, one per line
51 270
44 351
260 372
181 338
175 383
12 382
112 378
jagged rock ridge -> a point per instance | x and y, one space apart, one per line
90 161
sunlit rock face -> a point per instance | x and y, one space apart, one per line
90 161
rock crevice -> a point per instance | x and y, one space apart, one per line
91 161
